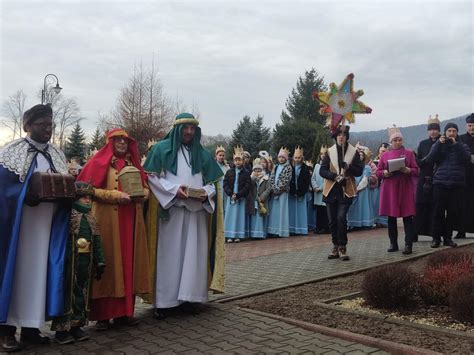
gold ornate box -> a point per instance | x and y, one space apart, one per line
131 182
194 193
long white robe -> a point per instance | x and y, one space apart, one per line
28 302
182 255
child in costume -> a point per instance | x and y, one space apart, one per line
84 259
257 199
299 186
237 185
361 213
317 181
278 221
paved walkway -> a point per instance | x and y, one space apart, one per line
222 328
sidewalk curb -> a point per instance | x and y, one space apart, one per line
332 276
391 347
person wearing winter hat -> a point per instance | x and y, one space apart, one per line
338 168
449 181
468 139
397 195
424 191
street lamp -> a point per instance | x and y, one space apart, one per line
57 89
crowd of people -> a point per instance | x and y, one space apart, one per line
349 188
87 247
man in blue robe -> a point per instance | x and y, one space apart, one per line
32 236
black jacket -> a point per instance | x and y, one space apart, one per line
451 161
304 180
426 168
244 182
469 141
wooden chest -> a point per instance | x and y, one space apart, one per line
50 187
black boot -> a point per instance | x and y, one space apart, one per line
343 253
9 343
78 334
63 337
392 248
448 242
460 235
33 336
408 250
435 243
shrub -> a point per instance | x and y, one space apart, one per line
448 257
461 299
438 281
390 287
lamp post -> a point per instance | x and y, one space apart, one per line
57 89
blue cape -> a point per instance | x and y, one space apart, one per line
12 196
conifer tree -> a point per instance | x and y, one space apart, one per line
251 134
301 121
98 140
76 143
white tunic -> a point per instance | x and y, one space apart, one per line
182 255
28 302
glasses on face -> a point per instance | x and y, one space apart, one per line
43 125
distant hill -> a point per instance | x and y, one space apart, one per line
412 135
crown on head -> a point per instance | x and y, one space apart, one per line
220 148
84 189
434 120
238 152
298 151
284 150
324 149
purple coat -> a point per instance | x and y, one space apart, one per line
397 193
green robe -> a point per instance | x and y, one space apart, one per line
79 268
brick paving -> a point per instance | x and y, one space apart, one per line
224 329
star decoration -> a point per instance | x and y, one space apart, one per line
340 103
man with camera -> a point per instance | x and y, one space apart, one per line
451 158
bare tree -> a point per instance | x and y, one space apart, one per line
142 108
13 109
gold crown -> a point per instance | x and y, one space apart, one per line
220 148
392 130
298 151
324 149
285 150
238 152
257 163
434 120
84 189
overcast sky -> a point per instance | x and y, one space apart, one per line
411 58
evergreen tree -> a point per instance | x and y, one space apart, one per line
301 105
252 135
76 143
98 140
301 121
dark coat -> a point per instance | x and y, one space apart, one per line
451 161
468 140
263 192
244 183
304 181
426 169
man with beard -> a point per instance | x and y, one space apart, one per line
190 237
424 188
33 234
468 222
